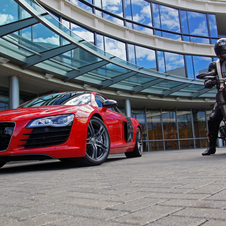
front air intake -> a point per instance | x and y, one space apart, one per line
6 131
46 136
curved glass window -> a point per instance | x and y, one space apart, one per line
113 6
82 5
169 19
115 47
156 19
197 24
175 64
83 33
141 12
156 16
146 57
213 26
201 64
164 62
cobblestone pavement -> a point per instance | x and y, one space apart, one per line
161 188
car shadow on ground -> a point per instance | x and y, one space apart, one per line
20 167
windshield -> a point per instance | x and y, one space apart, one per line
67 98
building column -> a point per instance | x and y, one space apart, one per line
127 108
14 92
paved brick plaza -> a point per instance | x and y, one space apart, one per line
160 188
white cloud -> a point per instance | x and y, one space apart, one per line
88 36
54 40
6 18
201 29
142 53
170 18
115 48
173 61
110 3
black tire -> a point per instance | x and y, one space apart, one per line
2 164
97 143
138 150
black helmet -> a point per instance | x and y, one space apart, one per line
220 48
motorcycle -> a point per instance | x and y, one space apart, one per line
219 79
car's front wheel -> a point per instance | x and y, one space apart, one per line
97 142
138 150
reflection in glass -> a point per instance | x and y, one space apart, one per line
186 38
82 5
170 130
115 48
184 22
113 6
129 25
197 24
158 33
113 19
141 12
185 129
200 128
44 37
161 61
83 33
143 29
128 10
213 25
190 68
169 19
100 41
201 64
175 64
146 57
8 12
200 40
171 35
154 130
131 54
155 10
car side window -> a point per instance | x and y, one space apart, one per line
99 100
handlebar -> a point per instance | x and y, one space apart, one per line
208 75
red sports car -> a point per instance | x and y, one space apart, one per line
68 125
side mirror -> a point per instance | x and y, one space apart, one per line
109 104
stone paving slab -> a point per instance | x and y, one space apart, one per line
161 188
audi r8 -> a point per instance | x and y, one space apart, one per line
68 125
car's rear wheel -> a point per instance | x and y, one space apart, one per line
97 142
138 150
2 164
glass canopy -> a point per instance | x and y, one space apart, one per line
32 38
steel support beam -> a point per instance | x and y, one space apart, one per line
147 85
116 79
74 73
175 89
35 59
199 93
16 26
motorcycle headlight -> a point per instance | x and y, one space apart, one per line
54 121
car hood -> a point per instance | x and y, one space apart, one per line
21 114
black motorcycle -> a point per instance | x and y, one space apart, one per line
218 79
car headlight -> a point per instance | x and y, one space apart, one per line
54 121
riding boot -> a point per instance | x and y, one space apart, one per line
211 147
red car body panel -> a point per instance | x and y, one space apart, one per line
75 146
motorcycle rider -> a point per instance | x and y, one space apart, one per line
216 115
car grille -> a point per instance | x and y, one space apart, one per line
6 131
47 136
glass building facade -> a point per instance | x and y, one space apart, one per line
164 128
154 19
